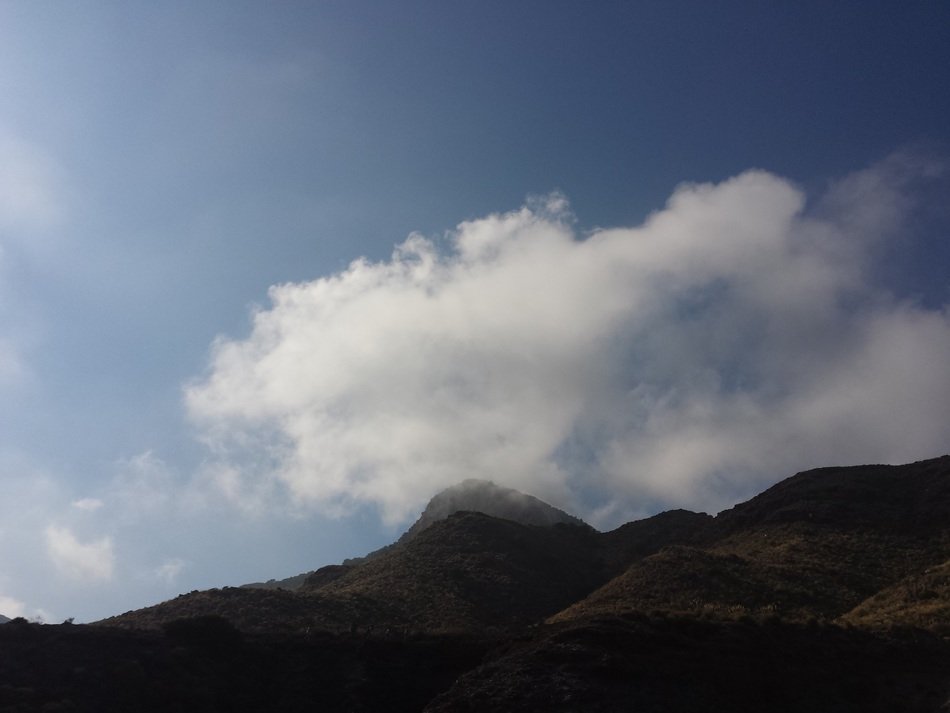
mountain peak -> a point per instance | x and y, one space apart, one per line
487 497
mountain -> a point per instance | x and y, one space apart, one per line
4 619
814 547
453 571
828 591
472 495
488 498
472 571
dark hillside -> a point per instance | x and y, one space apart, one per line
205 665
911 499
685 665
635 540
466 573
472 571
921 600
692 582
815 546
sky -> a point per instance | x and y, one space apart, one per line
273 274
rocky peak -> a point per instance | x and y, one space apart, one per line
486 497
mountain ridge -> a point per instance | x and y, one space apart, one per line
814 546
832 585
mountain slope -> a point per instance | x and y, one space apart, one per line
469 572
921 600
814 546
692 582
472 571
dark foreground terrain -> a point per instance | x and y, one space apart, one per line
828 592
205 664
632 663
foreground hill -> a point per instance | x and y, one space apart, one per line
206 666
685 665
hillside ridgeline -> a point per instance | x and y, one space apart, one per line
830 590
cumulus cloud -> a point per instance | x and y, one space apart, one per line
735 336
92 561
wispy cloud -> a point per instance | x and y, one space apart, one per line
169 570
735 336
33 202
143 483
87 504
90 561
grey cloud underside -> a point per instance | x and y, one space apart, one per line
736 334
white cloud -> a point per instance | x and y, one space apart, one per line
92 561
734 337
88 504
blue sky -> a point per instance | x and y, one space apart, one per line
599 303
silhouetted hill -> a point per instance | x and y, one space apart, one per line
685 665
204 665
910 499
